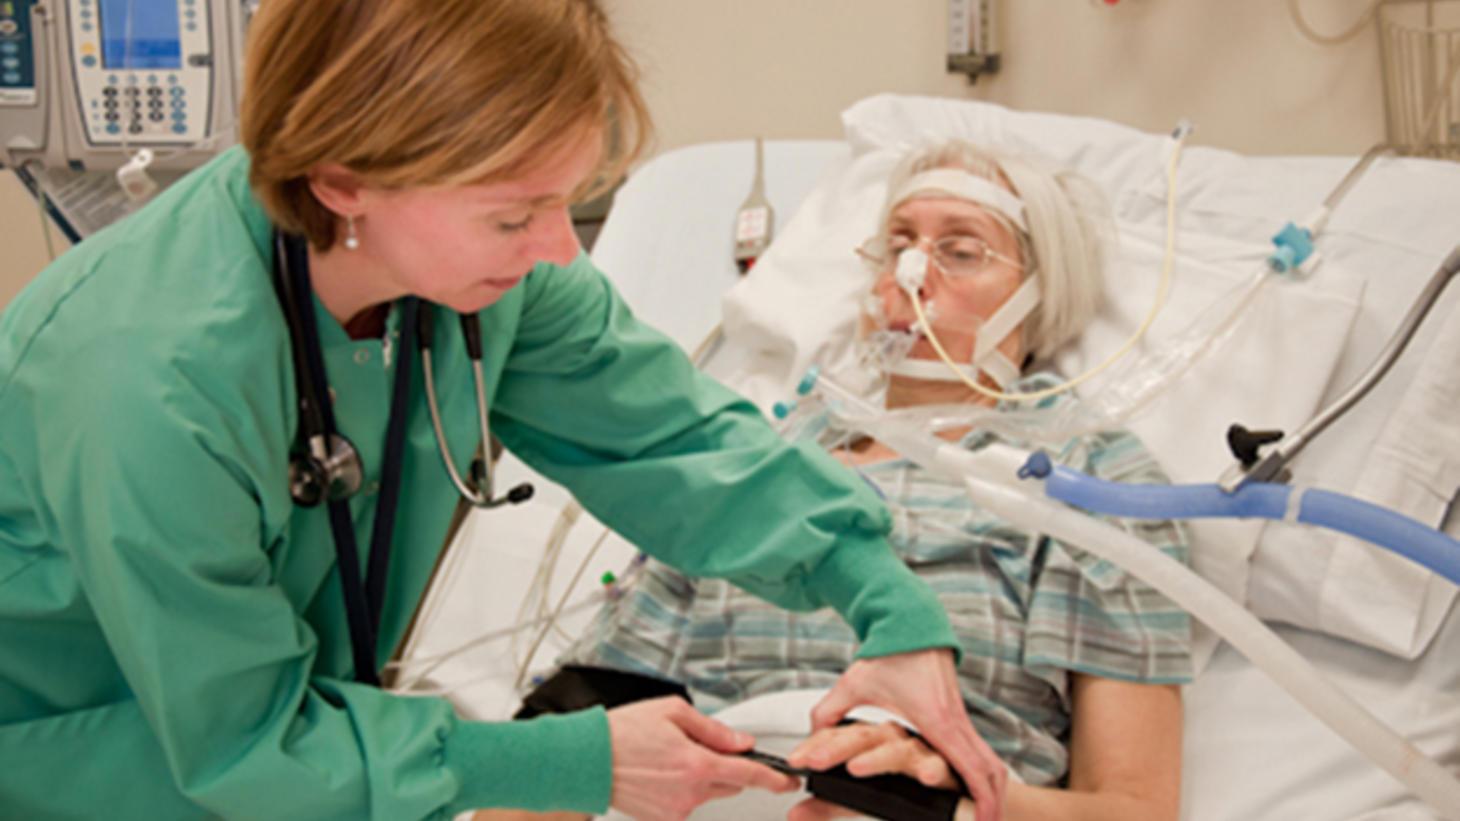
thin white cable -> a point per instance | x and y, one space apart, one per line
1440 99
537 593
557 612
1296 9
40 198
1162 288
435 604
536 596
432 663
44 15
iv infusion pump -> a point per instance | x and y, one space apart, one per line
85 84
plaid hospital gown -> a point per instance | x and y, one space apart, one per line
1028 611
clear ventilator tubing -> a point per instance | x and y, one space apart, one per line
991 478
1128 388
1401 759
1134 383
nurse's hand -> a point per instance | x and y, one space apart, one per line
669 758
923 688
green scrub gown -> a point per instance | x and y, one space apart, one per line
172 634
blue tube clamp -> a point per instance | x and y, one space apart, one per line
1294 246
808 381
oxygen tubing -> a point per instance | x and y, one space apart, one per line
1255 500
991 479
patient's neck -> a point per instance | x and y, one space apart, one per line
906 392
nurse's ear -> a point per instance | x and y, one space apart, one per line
339 189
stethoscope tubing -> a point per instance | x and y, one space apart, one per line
334 465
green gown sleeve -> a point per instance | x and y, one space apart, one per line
153 480
691 473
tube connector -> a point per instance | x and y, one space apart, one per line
1293 247
808 382
1038 466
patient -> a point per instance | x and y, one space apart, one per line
1071 668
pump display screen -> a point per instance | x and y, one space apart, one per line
140 34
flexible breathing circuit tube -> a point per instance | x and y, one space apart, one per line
1254 500
991 479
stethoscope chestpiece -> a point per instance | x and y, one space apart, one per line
336 477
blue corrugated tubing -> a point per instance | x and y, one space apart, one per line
1252 501
1258 500
1382 526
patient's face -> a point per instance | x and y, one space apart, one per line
959 305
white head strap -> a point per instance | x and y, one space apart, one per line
951 182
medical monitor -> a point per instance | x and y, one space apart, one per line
97 80
141 34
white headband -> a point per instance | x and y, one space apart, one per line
954 183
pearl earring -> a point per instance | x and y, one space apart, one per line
352 240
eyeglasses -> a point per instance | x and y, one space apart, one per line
956 255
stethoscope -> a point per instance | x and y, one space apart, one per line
327 467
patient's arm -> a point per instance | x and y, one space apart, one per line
1125 758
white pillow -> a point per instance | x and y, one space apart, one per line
1399 447
1272 372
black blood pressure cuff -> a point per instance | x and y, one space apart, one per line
576 688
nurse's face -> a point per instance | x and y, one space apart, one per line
464 247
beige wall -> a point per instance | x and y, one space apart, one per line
23 250
1239 69
727 69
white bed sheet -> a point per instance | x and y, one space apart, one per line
1250 752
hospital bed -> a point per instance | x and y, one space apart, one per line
1385 631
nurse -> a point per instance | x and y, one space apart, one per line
174 639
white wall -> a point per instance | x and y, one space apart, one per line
729 69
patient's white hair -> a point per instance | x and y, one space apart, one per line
1068 222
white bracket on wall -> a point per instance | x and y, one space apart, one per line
972 45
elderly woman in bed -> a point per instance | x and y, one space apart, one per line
1071 668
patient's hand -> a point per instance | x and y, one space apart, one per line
874 749
923 688
867 750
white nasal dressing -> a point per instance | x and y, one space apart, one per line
963 185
